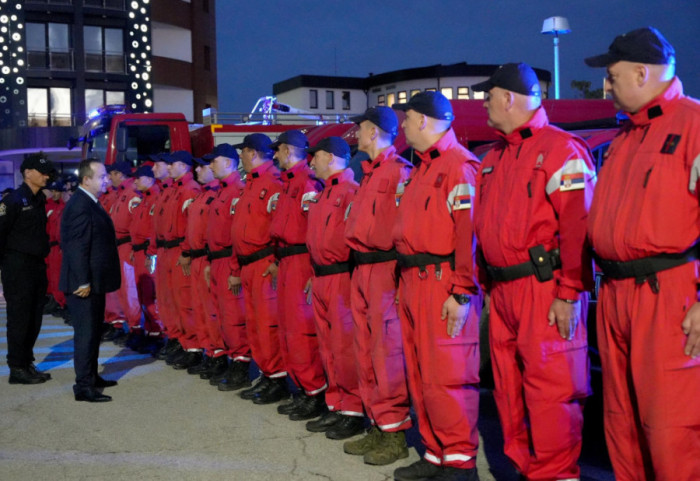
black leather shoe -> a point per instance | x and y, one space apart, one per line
312 407
25 376
188 360
217 365
108 332
450 473
101 382
92 396
276 391
253 391
175 355
32 368
201 366
290 407
324 423
421 469
347 427
237 378
216 379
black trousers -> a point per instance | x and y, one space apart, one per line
87 315
24 284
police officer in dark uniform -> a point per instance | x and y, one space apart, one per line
24 245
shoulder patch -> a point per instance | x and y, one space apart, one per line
460 197
3 209
186 204
48 214
234 201
347 211
272 202
134 202
307 199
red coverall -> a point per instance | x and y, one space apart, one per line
250 233
325 238
161 226
203 308
378 347
54 212
230 328
113 308
297 330
535 187
443 373
141 230
646 203
121 215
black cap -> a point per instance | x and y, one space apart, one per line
332 145
201 161
157 157
144 171
177 156
56 185
72 178
259 142
432 104
644 45
123 167
291 137
222 150
39 163
383 117
515 77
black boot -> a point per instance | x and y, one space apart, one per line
238 378
293 405
276 391
174 356
421 469
216 379
259 387
201 366
347 427
218 365
313 407
188 360
325 422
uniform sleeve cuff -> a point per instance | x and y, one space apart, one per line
567 293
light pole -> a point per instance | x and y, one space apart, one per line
556 26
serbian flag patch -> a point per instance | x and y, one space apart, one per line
575 181
462 202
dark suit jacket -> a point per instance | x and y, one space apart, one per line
89 247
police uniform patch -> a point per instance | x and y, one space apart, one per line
186 204
462 202
307 199
575 181
134 202
272 202
460 197
233 205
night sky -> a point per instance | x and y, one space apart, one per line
266 41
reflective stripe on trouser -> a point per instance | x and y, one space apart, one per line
164 296
203 310
443 372
378 346
113 308
333 317
298 338
541 380
128 295
261 318
231 324
180 287
650 387
146 289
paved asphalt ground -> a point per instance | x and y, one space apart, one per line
167 425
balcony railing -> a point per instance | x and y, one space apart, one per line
50 59
52 2
110 4
38 119
108 62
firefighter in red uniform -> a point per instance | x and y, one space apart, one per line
229 371
121 214
176 260
644 226
378 346
536 271
330 289
298 339
439 301
203 304
253 266
147 338
54 210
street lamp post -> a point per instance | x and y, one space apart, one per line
556 26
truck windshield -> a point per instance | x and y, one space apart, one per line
144 140
98 146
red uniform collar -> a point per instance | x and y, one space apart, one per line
213 185
340 177
383 156
265 168
538 121
660 105
446 142
187 177
233 178
300 168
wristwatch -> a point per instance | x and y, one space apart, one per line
461 299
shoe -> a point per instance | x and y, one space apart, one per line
217 378
347 427
119 337
50 306
201 366
450 473
174 355
364 445
169 346
150 345
421 469
135 339
32 368
290 407
24 375
92 396
237 378
108 332
275 391
101 382
188 360
324 423
253 391
391 448
312 407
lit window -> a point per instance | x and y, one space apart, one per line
48 46
49 107
447 92
104 49
414 92
390 99
330 100
402 97
346 100
381 99
479 95
431 90
313 99
96 97
463 93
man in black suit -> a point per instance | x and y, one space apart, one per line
90 269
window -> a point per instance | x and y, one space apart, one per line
330 100
463 93
49 107
479 95
402 97
104 49
431 90
381 100
390 99
346 100
112 4
313 99
414 92
95 98
447 92
207 58
48 46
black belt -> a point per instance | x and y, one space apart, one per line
645 269
293 250
173 243
330 269
422 260
123 240
142 246
373 257
542 265
256 256
53 243
195 253
220 254
160 243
